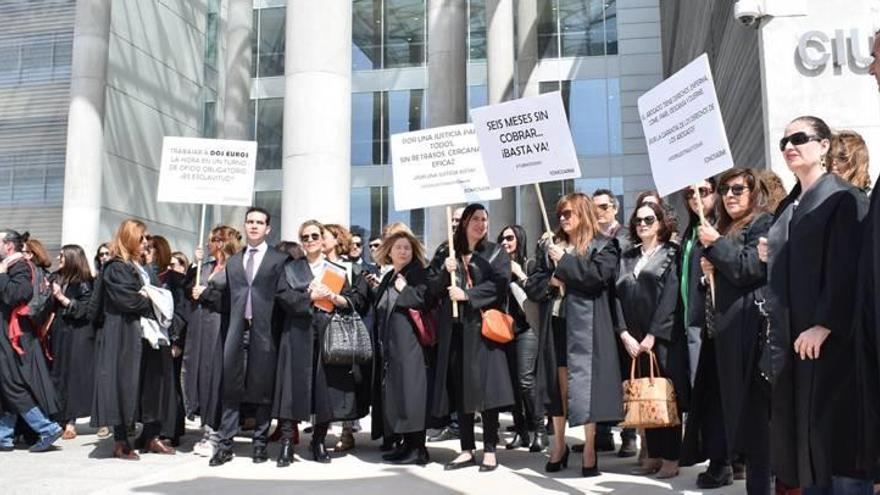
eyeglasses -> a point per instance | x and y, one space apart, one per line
797 139
647 221
509 238
310 237
375 245
736 189
703 191
605 206
565 214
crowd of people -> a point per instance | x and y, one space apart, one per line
759 307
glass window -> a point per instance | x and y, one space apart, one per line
366 34
477 30
593 108
548 34
576 28
62 56
270 53
271 202
406 112
404 33
478 96
36 59
28 184
366 128
611 27
270 133
372 208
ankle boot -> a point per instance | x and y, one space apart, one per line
285 457
539 440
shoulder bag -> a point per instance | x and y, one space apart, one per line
346 340
649 402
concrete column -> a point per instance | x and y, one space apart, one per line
83 169
317 114
447 83
501 70
527 85
236 87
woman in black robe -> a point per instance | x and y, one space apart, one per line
26 387
203 354
578 361
730 407
472 372
72 338
647 290
403 364
812 266
133 381
307 389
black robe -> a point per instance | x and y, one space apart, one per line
133 381
646 305
594 382
25 380
304 385
400 375
486 381
203 354
812 273
72 340
738 275
249 377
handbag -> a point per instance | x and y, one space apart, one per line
649 402
346 340
425 323
497 325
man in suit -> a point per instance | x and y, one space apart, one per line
250 350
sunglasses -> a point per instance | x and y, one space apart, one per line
375 245
703 191
565 214
104 254
356 244
736 189
647 221
310 237
797 139
509 238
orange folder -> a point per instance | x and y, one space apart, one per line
334 279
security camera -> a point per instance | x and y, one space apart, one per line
748 12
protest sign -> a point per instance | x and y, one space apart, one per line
207 171
682 123
439 166
526 141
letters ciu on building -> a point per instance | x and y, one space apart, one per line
816 48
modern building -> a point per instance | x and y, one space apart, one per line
777 60
90 87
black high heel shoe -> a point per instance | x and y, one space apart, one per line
553 467
590 472
319 453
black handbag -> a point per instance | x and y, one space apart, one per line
346 340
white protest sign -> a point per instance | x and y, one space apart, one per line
526 141
683 128
207 171
439 166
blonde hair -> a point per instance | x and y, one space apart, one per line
850 150
582 206
383 253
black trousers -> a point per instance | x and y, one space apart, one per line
664 442
150 431
757 416
229 424
414 440
712 427
522 360
490 430
288 426
604 430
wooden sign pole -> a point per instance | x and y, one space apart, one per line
449 237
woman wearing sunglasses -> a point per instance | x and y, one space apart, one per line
522 355
812 265
472 372
647 290
729 413
203 353
579 358
306 389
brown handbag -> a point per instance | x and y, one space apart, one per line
649 402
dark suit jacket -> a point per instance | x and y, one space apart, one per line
249 356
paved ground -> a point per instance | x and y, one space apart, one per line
84 465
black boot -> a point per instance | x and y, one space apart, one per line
521 439
418 456
400 451
719 474
285 457
539 440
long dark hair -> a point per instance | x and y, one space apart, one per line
459 239
76 265
99 265
519 255
758 201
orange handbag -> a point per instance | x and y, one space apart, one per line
497 325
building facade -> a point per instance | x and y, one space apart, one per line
167 67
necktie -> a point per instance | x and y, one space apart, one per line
249 274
